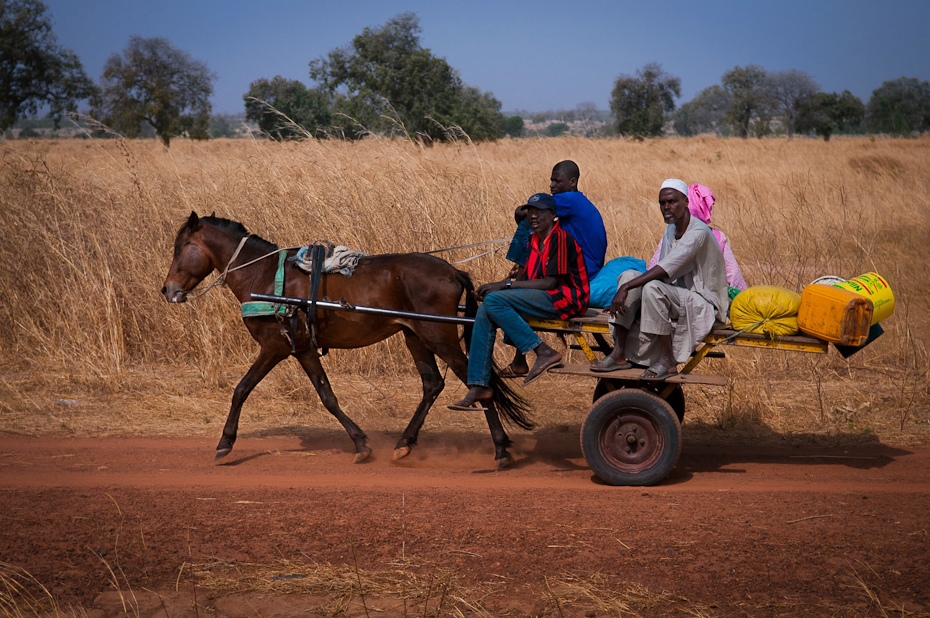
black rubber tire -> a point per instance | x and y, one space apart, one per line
631 437
676 399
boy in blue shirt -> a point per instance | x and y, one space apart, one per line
576 215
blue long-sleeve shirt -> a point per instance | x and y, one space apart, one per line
580 218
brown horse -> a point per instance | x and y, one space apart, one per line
409 282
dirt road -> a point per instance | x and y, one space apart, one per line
733 530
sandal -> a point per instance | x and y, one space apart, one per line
510 372
471 402
539 370
660 373
609 364
465 406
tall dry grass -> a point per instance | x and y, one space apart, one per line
89 226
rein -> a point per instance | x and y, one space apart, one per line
221 278
499 241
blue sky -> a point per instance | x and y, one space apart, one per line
532 55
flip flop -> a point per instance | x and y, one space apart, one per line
609 364
661 374
508 372
466 407
469 404
536 373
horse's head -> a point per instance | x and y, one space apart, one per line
191 264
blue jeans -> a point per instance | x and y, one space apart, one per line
505 310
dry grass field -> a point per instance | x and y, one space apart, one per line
89 225
90 348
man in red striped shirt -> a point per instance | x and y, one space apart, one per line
553 283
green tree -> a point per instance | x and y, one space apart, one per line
478 114
514 126
900 107
848 113
705 113
639 103
556 129
286 108
34 70
750 103
826 113
386 82
155 84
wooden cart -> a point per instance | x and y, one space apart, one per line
632 433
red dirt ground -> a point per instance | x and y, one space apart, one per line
735 530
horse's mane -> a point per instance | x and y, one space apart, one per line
237 228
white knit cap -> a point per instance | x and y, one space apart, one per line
674 183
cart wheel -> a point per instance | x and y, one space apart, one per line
631 437
676 399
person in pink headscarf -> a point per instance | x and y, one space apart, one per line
700 202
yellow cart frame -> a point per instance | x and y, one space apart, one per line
632 434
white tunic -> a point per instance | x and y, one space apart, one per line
686 304
695 262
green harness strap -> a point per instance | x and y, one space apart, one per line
258 308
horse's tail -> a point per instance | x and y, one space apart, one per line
471 304
510 405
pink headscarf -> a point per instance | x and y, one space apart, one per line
700 202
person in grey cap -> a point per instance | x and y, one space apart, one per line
658 317
553 283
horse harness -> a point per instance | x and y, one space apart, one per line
287 314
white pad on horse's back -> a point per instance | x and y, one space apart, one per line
339 258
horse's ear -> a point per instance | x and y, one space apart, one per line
193 221
213 214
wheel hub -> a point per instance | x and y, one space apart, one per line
631 442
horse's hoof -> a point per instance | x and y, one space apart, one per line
504 461
400 453
362 455
222 452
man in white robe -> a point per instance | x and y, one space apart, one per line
660 316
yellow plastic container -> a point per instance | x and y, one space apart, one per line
874 287
835 314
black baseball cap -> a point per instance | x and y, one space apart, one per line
541 201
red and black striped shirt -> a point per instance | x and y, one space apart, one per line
560 257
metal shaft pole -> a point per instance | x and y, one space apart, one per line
326 304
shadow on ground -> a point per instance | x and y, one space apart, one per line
706 448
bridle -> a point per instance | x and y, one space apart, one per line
221 278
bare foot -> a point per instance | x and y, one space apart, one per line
517 367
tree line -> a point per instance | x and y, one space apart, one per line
384 82
750 101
